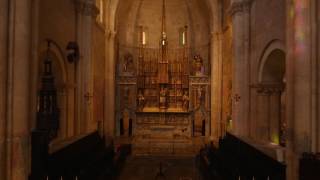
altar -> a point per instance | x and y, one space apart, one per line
163 96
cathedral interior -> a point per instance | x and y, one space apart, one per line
159 89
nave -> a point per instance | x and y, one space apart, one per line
95 89
148 168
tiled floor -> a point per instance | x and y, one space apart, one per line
147 168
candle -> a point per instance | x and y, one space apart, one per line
184 38
76 177
143 38
47 178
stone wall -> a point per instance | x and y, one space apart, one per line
60 28
133 14
99 74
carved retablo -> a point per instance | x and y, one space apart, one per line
163 95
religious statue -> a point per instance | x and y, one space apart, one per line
163 98
141 100
128 63
198 65
200 96
185 100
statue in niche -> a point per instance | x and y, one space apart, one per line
200 96
141 100
198 65
128 63
185 100
163 97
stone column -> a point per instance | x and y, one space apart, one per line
216 74
262 124
301 81
18 87
86 12
275 115
4 7
240 11
109 119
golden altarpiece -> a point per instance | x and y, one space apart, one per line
163 96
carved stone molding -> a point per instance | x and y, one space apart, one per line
199 80
127 80
240 6
86 7
269 89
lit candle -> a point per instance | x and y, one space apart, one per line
144 38
183 38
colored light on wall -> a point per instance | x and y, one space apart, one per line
275 139
300 25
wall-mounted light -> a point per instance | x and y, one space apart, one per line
73 54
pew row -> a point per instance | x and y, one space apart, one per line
235 159
85 159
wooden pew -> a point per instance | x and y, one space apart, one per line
236 158
309 168
85 159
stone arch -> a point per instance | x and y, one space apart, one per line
59 65
275 46
271 90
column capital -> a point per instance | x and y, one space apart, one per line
111 34
240 6
86 7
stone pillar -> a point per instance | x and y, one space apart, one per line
215 86
4 7
262 125
86 12
275 116
240 11
216 74
109 119
18 86
301 80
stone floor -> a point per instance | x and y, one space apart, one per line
147 168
